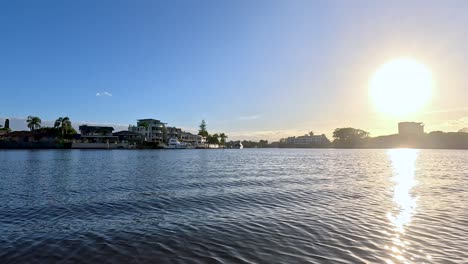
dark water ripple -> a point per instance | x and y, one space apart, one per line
231 206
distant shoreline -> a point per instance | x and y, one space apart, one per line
145 149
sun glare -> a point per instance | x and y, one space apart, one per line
401 87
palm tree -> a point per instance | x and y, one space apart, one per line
34 122
223 138
63 123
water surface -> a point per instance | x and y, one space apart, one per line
234 206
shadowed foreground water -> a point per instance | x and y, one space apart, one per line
234 206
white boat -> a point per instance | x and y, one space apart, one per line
238 146
175 144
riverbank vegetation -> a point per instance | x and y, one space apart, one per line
349 137
62 133
6 127
216 138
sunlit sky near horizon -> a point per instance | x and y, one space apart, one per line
251 69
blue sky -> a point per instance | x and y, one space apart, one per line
252 69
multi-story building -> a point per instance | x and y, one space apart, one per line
308 140
152 130
173 132
410 128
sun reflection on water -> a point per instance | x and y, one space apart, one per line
404 169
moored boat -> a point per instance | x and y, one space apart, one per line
175 144
238 146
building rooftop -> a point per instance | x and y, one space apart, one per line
412 123
96 127
148 119
20 134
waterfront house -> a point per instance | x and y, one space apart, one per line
20 136
97 134
190 138
28 139
151 130
174 132
97 137
130 137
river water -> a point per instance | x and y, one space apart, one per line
234 206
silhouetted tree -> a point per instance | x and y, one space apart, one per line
34 122
7 124
63 124
223 137
262 143
349 137
203 132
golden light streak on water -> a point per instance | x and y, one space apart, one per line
404 167
404 170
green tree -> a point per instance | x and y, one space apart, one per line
63 124
213 139
7 124
263 143
203 132
223 137
144 124
34 122
349 137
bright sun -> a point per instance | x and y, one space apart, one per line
401 87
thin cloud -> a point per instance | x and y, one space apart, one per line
265 134
450 110
457 122
104 94
252 117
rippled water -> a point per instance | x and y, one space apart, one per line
234 206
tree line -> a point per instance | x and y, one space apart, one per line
62 126
216 138
348 137
357 138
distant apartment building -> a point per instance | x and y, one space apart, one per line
308 140
410 128
150 129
